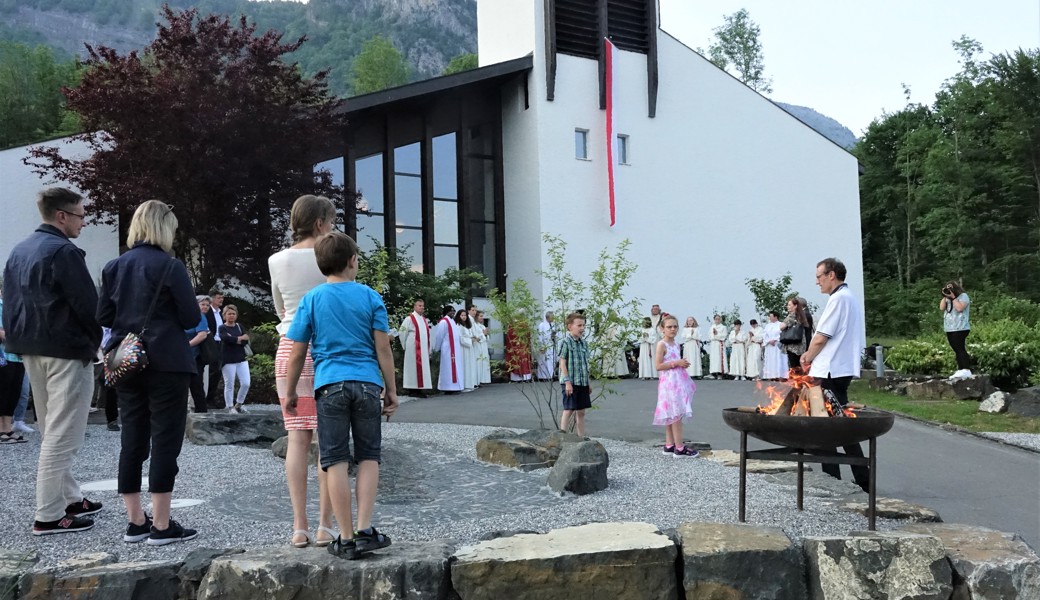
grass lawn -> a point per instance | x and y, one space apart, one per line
887 342
963 413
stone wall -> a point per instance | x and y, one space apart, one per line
597 560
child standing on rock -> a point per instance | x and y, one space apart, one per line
674 390
574 374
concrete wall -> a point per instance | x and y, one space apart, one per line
19 187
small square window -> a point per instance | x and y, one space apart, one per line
581 144
622 149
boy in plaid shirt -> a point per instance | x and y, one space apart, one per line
574 374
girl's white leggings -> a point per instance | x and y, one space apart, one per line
231 371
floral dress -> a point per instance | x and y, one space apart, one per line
674 391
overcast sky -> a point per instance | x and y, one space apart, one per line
847 59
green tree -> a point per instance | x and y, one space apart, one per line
32 106
736 46
462 62
379 66
771 295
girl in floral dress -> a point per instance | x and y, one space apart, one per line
674 390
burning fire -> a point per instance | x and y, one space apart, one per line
792 397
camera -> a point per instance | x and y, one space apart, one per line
947 291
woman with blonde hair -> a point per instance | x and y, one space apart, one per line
294 272
153 403
233 340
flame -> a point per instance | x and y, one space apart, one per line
777 394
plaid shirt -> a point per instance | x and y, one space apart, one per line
576 353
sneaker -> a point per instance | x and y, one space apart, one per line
22 427
686 452
343 549
668 449
241 408
83 508
172 534
232 410
67 524
138 533
113 425
368 540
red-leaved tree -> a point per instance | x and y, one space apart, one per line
210 119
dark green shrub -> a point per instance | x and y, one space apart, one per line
263 339
262 388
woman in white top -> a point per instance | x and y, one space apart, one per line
774 362
753 369
647 342
483 355
691 348
738 352
470 374
294 272
717 348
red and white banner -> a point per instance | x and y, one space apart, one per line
611 53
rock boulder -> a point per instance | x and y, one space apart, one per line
580 469
1025 402
151 580
216 428
535 449
893 508
878 565
279 447
973 388
997 402
987 563
13 565
740 561
619 561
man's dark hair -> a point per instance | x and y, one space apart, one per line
833 265
774 313
51 200
215 292
737 322
333 252
447 310
754 321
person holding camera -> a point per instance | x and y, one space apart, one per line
956 306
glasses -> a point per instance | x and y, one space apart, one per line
69 212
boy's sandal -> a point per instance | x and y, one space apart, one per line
371 540
322 542
306 538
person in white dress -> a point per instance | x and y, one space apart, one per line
738 340
753 369
447 339
717 348
414 334
774 360
546 350
691 348
471 376
483 354
613 362
647 343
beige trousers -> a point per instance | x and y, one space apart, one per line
62 389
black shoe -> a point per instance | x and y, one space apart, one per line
67 524
113 425
172 534
343 549
83 508
369 540
138 533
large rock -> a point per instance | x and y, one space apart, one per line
414 570
600 560
281 445
973 388
878 566
1025 402
997 402
216 428
535 449
13 565
195 566
581 469
987 564
740 561
151 580
893 508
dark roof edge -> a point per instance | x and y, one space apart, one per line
436 84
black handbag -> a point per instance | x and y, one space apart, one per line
130 356
793 335
209 351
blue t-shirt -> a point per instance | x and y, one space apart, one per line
202 326
338 319
7 357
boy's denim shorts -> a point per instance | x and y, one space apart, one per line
344 408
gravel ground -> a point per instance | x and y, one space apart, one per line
1025 440
644 486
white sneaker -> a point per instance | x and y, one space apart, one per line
22 427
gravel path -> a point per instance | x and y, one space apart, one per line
1025 440
441 491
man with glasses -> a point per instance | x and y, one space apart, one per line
50 321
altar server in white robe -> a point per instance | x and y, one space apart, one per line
471 377
415 339
613 359
546 350
691 348
774 360
448 340
647 343
753 370
483 353
738 351
717 348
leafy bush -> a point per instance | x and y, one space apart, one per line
928 355
263 339
262 388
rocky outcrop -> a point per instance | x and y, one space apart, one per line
217 428
195 567
878 565
740 561
997 402
600 560
893 508
414 570
580 469
150 580
13 565
972 388
987 563
535 449
1025 402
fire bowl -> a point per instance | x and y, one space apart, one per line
810 432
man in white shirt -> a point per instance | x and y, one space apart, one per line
833 356
415 339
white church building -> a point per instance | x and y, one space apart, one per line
713 183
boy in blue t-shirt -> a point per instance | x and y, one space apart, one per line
345 324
